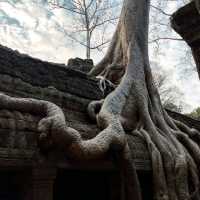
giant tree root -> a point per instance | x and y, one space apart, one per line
175 157
174 147
54 129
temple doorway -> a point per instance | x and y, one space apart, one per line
9 189
82 185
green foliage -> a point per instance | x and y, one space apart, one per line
195 113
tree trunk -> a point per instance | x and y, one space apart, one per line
88 36
88 47
134 106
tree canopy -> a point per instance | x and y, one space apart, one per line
195 113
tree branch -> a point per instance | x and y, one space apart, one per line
165 38
75 10
161 11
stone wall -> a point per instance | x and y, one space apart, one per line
23 76
186 22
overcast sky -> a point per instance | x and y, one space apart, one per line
33 28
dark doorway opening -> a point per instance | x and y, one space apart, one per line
146 184
9 189
81 185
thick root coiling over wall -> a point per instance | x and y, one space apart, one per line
54 129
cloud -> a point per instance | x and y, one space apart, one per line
34 28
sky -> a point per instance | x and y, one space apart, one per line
34 28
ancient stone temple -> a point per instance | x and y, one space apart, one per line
29 173
26 173
186 22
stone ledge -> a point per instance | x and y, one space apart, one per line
45 74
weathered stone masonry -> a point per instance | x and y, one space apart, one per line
186 22
72 90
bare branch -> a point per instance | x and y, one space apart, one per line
104 22
90 15
90 3
99 45
165 38
75 10
161 11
